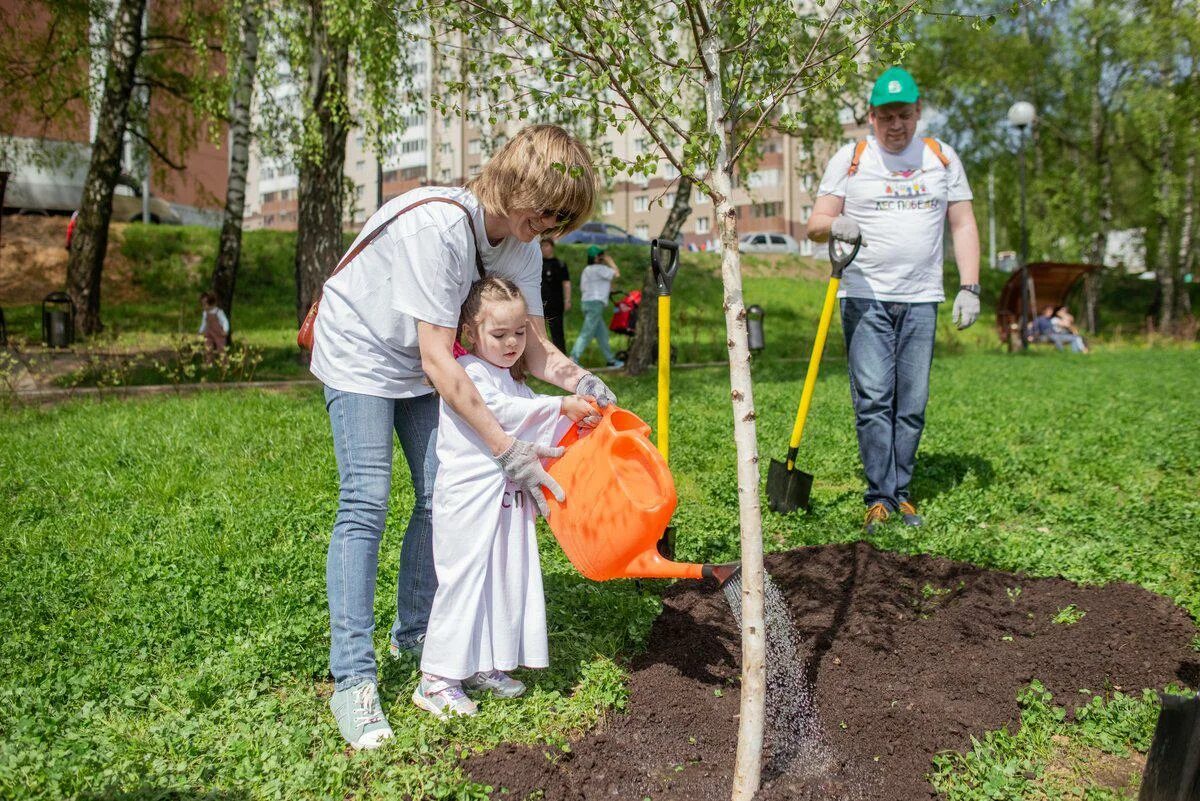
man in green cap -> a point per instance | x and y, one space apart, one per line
896 192
594 286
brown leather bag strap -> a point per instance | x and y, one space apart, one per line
369 238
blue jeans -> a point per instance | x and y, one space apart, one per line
594 327
362 441
890 349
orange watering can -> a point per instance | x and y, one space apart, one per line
619 498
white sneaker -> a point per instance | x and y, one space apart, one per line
443 697
497 682
359 717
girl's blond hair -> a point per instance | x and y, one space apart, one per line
491 289
544 168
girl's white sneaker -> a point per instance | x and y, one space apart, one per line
443 698
497 682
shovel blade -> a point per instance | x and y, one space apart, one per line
787 490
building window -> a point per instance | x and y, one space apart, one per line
474 147
358 165
641 203
639 145
446 148
607 206
763 178
412 173
702 226
669 200
412 146
444 177
699 198
806 212
473 171
642 230
768 209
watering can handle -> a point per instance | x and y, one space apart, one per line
841 261
664 276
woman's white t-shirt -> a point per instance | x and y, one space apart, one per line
899 201
419 269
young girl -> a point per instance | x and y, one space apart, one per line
488 615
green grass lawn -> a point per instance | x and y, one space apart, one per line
162 560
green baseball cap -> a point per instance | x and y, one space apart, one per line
895 85
594 250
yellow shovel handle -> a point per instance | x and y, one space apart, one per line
664 372
814 364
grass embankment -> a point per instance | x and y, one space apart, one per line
163 268
162 563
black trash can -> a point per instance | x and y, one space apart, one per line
58 320
754 325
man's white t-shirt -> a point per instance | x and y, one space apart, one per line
419 269
899 201
596 282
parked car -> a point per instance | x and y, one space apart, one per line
599 233
768 243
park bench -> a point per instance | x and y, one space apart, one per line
1049 283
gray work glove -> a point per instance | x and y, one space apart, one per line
521 463
844 229
592 385
966 309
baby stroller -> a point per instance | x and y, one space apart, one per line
624 320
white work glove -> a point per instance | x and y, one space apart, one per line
966 309
591 384
844 229
521 463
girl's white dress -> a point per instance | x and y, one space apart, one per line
489 612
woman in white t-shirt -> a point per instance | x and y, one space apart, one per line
383 346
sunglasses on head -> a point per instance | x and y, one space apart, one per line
559 215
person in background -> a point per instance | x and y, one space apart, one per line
594 287
896 192
1046 327
556 294
1064 323
214 325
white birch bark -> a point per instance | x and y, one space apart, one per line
748 768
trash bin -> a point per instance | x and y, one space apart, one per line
754 324
58 320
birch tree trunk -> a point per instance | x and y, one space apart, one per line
85 262
229 251
319 219
1102 220
644 348
747 772
1165 268
1187 222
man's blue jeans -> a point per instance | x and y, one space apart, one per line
890 350
594 327
362 441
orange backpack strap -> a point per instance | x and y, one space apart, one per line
936 147
859 148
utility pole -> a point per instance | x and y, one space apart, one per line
991 218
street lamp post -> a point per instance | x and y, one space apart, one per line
1021 115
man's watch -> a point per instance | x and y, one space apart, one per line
972 288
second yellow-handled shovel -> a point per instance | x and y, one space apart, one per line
788 489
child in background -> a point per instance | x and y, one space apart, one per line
489 613
214 325
594 287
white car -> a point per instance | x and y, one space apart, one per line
768 243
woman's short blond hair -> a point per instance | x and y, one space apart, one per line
543 167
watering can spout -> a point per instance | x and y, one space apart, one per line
731 571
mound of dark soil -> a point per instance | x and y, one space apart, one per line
906 656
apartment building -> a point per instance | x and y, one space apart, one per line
775 196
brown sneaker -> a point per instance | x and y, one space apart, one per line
910 516
877 515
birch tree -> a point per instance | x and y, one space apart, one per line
750 66
243 47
